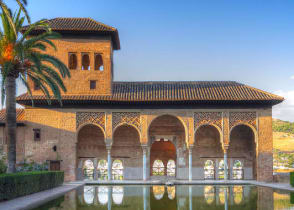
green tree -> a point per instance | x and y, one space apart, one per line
24 57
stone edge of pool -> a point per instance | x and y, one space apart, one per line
37 199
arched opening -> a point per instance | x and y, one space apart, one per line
103 195
171 168
209 171
102 170
237 170
158 168
117 170
127 148
99 62
88 169
85 61
117 195
167 136
90 145
158 191
209 194
243 148
72 61
207 146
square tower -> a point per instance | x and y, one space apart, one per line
86 47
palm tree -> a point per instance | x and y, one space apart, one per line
24 57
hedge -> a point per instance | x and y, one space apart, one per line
25 183
292 179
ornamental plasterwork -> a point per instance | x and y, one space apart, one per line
242 118
130 118
91 117
207 118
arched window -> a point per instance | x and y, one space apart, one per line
85 61
99 62
209 170
158 168
209 194
102 170
72 61
117 170
158 191
237 170
171 192
238 194
117 195
221 170
103 195
89 194
88 169
171 168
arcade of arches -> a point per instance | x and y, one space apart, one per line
168 151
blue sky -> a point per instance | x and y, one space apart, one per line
251 42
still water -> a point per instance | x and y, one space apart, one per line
180 197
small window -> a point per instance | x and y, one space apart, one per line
37 134
72 61
36 86
93 84
85 61
99 62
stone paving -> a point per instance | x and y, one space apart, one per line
37 199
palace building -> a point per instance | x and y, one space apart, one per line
107 129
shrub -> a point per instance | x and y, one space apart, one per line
3 166
32 166
25 183
292 179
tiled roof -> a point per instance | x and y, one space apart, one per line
171 92
82 25
19 115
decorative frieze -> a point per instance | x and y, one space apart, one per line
130 118
207 118
97 118
248 118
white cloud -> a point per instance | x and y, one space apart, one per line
292 77
285 110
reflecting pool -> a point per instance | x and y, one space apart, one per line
180 197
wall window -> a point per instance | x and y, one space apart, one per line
237 170
36 86
99 62
85 61
37 134
72 61
209 169
171 168
117 170
158 168
102 170
92 84
88 169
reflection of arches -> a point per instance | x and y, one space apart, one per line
222 194
102 169
238 194
209 194
171 191
89 194
88 169
158 191
209 171
103 195
117 194
117 170
243 145
237 170
171 168
124 138
158 168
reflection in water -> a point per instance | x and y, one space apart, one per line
209 194
171 192
103 195
173 198
158 191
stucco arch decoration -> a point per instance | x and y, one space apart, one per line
153 116
96 118
126 118
243 118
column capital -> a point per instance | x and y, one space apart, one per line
226 147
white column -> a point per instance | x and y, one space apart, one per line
190 164
109 166
225 164
144 164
